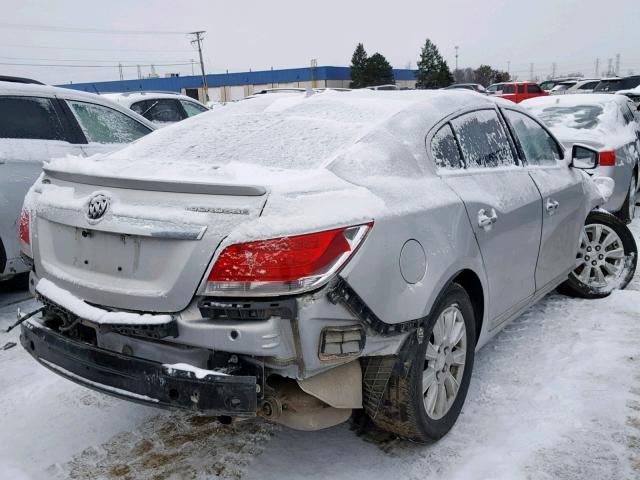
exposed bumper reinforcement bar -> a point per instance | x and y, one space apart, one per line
137 379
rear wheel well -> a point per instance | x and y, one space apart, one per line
3 257
468 280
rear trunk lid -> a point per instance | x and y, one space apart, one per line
148 251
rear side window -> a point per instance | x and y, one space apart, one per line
509 89
536 88
192 108
538 147
483 140
445 150
30 117
588 86
520 88
105 125
161 110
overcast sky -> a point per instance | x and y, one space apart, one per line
287 34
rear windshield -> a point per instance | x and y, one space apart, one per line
579 116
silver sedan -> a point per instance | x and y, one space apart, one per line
301 257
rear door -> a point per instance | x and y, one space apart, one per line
503 205
562 197
32 130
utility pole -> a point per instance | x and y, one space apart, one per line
617 64
457 48
120 68
597 75
139 72
553 70
198 40
192 71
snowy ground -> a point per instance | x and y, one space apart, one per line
556 395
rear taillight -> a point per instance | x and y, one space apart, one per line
24 227
607 159
284 265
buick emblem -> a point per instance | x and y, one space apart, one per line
98 206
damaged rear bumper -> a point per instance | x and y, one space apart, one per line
137 379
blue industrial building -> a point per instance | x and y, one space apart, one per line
233 86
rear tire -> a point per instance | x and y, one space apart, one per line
627 212
606 260
424 401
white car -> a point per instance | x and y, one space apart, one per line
39 123
575 86
159 107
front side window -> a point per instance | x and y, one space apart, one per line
30 117
104 125
520 88
483 140
538 147
192 108
509 89
161 110
536 88
445 150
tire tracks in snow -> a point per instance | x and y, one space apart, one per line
172 445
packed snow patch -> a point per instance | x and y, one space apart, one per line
88 312
199 373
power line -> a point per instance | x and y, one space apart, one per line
92 66
49 47
30 59
55 28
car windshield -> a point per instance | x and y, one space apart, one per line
579 116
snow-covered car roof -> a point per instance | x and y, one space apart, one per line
594 119
128 99
262 140
34 90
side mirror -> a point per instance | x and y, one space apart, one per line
584 158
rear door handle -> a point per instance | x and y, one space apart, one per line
486 218
551 206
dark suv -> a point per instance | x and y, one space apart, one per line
615 84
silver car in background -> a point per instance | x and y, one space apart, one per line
299 257
606 123
39 123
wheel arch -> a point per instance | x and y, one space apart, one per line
3 257
470 281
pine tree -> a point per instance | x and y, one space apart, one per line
378 71
358 66
433 71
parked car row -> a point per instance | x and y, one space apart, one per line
302 259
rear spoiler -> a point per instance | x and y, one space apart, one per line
159 185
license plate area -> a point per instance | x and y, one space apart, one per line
104 252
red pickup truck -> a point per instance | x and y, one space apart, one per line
519 91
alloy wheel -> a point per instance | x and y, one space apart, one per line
600 261
444 362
